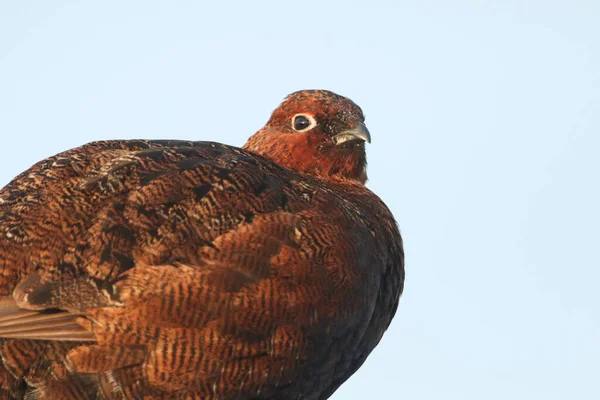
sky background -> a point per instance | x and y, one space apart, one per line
485 117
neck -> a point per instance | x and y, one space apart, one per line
325 160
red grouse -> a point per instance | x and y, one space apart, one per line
162 269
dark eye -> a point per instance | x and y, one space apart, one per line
303 122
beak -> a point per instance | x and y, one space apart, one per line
358 134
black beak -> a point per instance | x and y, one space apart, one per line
358 134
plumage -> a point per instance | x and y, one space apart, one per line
149 269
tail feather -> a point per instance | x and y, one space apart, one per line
18 323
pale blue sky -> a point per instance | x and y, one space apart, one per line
485 117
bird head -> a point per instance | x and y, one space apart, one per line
316 132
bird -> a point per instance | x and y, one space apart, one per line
173 269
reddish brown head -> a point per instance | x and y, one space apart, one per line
316 132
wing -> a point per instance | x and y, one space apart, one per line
169 269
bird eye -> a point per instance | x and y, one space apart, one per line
303 122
